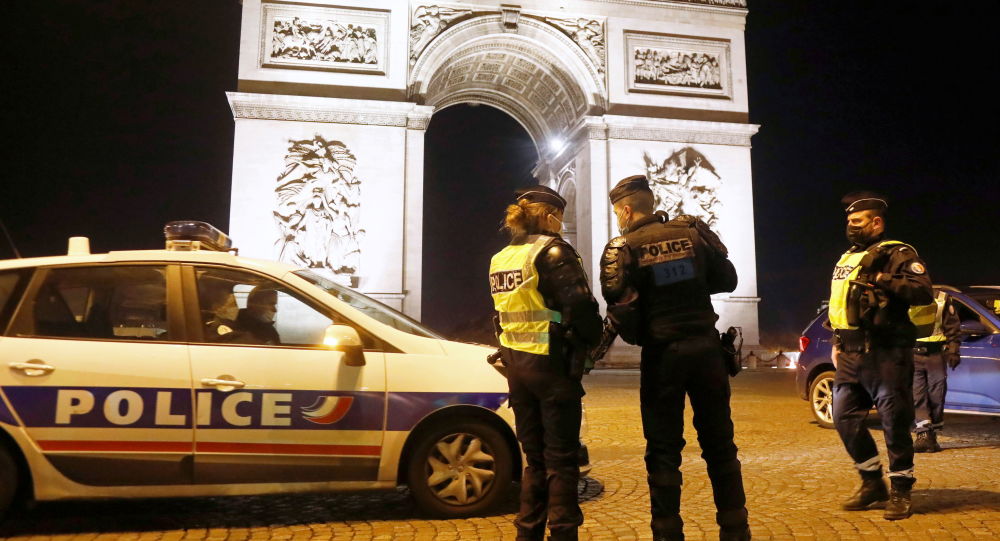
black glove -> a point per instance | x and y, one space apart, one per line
952 358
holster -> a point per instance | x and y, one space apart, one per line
567 351
852 341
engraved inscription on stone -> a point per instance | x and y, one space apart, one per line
685 183
318 204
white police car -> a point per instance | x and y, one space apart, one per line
191 371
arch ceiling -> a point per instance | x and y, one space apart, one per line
537 75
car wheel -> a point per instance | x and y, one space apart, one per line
821 399
459 470
8 480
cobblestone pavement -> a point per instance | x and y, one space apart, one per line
795 473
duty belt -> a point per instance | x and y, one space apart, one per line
928 348
853 340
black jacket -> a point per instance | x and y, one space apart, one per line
658 278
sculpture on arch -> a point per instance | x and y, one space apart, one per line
318 208
685 183
587 33
428 22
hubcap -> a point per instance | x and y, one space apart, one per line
460 469
822 399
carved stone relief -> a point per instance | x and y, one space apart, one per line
323 40
677 65
328 39
588 34
318 204
685 183
427 23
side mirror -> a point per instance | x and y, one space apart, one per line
345 338
974 328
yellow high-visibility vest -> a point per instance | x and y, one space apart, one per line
937 335
847 269
524 318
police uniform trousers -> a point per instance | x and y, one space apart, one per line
882 377
547 413
930 384
691 366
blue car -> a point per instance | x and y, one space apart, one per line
973 387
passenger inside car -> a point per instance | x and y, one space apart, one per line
257 319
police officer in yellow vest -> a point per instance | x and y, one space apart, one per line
874 285
931 358
548 320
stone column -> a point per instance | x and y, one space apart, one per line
413 209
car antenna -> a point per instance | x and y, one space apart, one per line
10 240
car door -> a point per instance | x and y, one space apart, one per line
97 373
975 384
273 404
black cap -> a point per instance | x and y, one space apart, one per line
864 200
541 194
629 186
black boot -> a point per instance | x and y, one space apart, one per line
871 492
735 534
932 438
899 506
922 443
668 528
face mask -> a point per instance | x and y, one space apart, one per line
623 223
554 224
858 234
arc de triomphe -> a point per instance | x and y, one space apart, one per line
335 97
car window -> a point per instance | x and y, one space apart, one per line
106 303
965 313
989 299
239 307
11 284
370 307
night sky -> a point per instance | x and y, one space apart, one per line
116 122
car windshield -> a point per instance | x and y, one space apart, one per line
371 307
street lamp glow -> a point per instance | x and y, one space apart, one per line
556 144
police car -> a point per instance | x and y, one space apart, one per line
192 371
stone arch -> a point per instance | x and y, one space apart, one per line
536 74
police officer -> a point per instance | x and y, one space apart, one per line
874 285
657 278
547 320
931 357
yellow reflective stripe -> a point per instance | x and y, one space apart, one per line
527 337
530 316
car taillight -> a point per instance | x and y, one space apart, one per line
803 343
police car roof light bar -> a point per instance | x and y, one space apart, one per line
190 235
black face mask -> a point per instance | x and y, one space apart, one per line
859 235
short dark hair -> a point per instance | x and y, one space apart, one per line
640 201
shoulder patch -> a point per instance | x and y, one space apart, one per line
917 268
223 330
617 242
